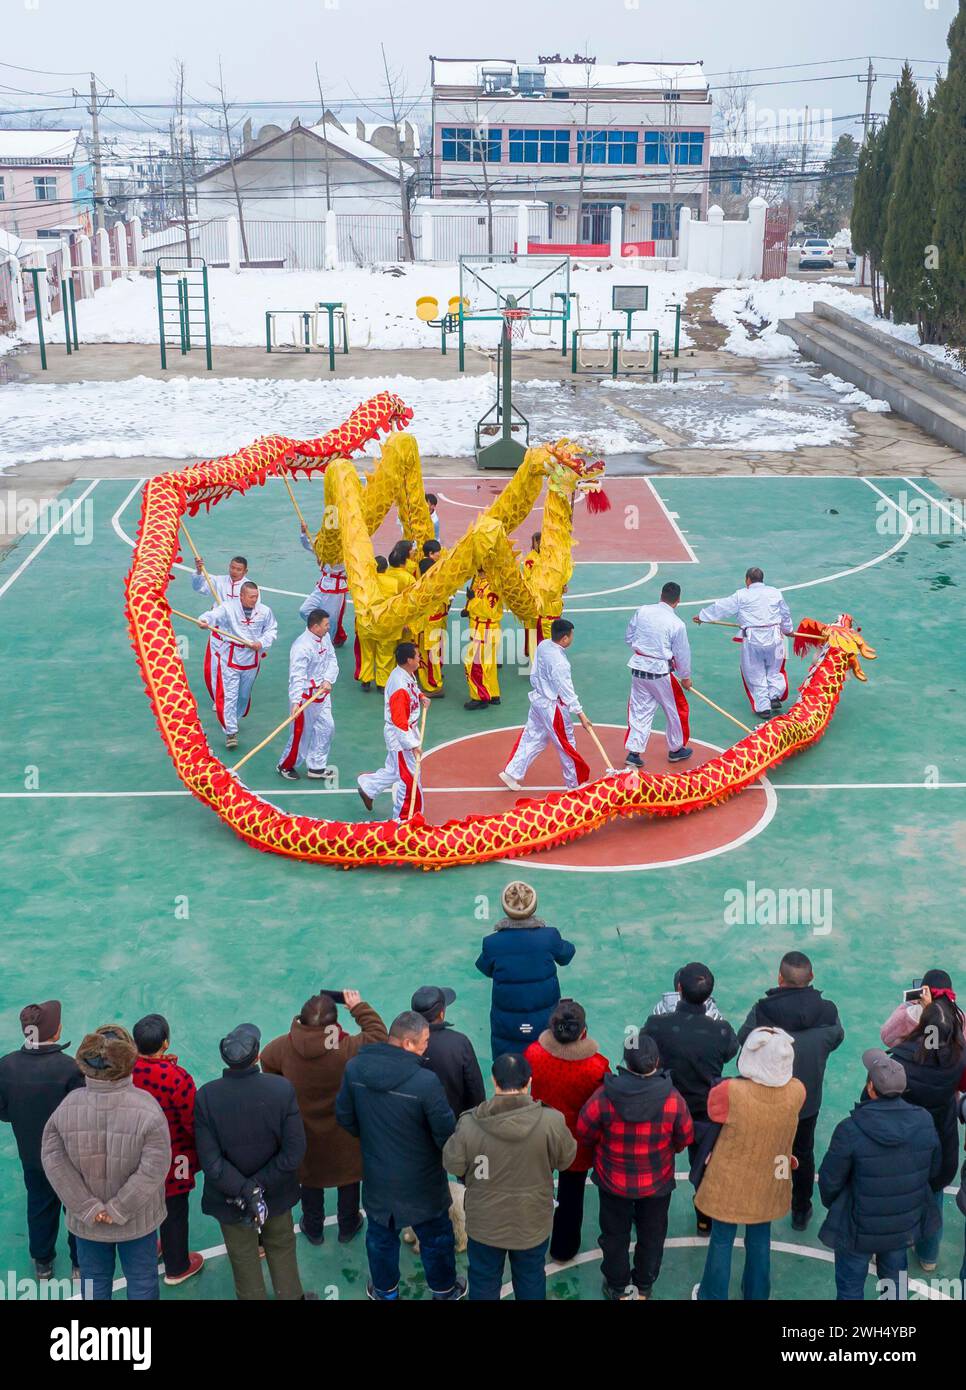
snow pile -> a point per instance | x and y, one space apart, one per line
851 395
765 430
381 305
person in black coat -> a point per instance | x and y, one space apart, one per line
521 956
695 1049
934 1056
396 1107
877 1181
33 1082
450 1055
250 1142
816 1029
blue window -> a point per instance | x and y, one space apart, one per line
661 220
539 146
607 146
656 147
460 145
688 146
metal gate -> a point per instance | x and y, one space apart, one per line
774 261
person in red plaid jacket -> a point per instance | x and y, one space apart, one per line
635 1123
157 1071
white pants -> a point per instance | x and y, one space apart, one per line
645 698
548 724
396 774
233 694
761 671
311 736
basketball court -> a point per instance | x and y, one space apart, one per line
123 895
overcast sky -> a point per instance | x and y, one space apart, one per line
269 50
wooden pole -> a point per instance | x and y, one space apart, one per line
225 636
284 477
319 695
215 596
419 759
691 691
608 765
714 622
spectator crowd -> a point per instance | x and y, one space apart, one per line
395 1122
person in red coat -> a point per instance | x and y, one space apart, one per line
156 1071
567 1070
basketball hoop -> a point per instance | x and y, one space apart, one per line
515 320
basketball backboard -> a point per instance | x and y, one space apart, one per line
491 284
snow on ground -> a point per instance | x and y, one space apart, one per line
759 304
381 305
199 417
851 395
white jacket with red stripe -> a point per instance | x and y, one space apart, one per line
311 660
402 710
257 626
551 683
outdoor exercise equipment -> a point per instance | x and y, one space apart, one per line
184 314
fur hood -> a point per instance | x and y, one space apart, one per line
507 922
577 1051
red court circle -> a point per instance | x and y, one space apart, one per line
460 779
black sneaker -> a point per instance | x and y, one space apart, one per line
496 700
763 715
634 760
452 1295
679 755
44 1269
391 1297
318 774
776 706
346 1236
475 704
366 799
800 1219
366 686
312 1238
288 773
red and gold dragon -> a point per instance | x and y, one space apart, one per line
531 824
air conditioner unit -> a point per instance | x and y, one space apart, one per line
560 210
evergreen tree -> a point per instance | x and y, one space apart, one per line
948 325
909 220
905 108
832 209
868 210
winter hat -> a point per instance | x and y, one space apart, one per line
108 1054
240 1048
431 1000
767 1057
40 1022
519 900
888 1076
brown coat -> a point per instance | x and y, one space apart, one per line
313 1060
748 1178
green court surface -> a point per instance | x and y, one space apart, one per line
122 895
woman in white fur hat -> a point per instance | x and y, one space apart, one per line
748 1178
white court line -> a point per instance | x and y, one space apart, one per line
672 520
941 506
47 539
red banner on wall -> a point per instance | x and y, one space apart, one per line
588 249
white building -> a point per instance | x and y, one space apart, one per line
636 135
299 173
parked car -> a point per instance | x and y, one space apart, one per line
816 254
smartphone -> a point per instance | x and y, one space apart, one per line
912 996
334 994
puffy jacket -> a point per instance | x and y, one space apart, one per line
174 1090
877 1176
33 1082
106 1148
695 1049
814 1024
933 1085
509 1196
521 958
565 1076
397 1109
450 1056
249 1134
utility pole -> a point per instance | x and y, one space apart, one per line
868 79
92 111
325 144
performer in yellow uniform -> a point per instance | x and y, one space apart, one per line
484 608
368 648
531 636
393 580
430 638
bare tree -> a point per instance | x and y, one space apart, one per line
178 146
325 144
396 93
226 127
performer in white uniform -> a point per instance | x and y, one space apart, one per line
403 699
330 593
765 620
238 665
312 667
553 701
660 667
226 586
